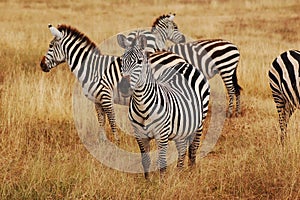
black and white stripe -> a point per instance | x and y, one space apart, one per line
164 28
97 73
169 102
212 57
284 78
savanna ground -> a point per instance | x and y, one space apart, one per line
42 156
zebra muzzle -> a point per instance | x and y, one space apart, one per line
124 86
44 66
182 40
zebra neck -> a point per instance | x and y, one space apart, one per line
83 60
160 38
145 96
88 65
145 84
78 54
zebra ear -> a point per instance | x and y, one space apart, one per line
171 16
142 41
122 41
55 32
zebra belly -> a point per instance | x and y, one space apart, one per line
155 131
89 89
182 134
181 126
148 130
87 93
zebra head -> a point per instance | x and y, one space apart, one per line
55 54
164 28
128 42
133 60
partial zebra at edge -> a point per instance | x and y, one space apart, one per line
284 80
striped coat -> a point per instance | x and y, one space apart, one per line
169 102
284 78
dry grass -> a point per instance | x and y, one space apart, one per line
42 156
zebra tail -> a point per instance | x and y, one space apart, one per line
236 86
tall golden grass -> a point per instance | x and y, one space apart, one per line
42 156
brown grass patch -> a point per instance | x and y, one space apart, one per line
42 156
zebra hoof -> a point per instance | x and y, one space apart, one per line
238 114
117 141
102 138
229 114
146 175
192 163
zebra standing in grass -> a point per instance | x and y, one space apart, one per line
170 104
284 78
98 74
210 56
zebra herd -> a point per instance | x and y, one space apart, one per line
168 86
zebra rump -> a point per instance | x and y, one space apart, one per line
284 79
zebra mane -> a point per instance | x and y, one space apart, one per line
77 34
160 18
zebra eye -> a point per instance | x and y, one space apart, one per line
50 45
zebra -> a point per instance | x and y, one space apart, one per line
98 74
163 29
169 102
284 80
211 56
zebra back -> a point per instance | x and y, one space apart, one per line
162 60
210 56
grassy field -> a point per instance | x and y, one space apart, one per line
42 156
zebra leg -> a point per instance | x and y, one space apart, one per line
284 117
237 91
162 153
101 120
108 109
238 106
230 104
194 146
181 148
282 124
144 145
